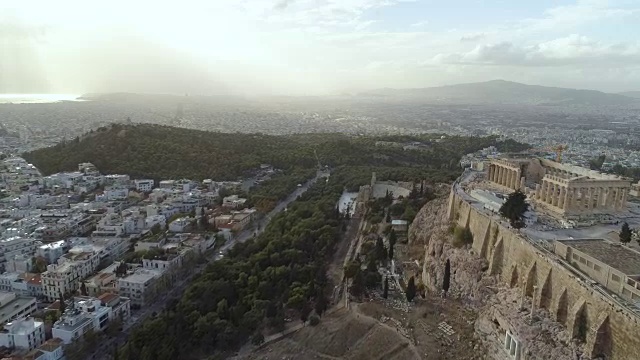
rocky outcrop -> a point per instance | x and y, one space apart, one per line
431 233
544 338
500 308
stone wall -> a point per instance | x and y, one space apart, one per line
590 316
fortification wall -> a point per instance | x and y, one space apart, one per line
607 328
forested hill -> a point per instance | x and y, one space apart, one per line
162 152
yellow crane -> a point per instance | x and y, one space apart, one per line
558 149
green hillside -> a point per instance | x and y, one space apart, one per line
162 152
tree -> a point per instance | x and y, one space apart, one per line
392 238
320 304
380 251
596 164
625 233
357 284
388 218
446 281
83 289
257 339
314 320
385 293
411 289
392 242
62 304
351 269
304 313
514 208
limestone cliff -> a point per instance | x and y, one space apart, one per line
499 307
430 233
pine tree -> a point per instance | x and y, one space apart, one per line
514 208
411 289
388 218
385 294
446 282
625 234
321 304
83 289
392 238
381 253
62 304
390 252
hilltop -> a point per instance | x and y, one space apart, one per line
505 92
163 152
633 94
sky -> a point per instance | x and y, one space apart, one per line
314 47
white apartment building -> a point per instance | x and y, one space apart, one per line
83 315
52 349
16 245
181 224
22 334
22 284
164 262
51 251
144 185
20 263
14 307
152 220
65 276
136 286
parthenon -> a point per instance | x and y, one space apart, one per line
561 189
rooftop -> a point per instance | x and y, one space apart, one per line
615 255
51 344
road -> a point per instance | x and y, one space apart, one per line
105 349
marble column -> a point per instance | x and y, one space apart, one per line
556 195
500 173
616 199
608 198
547 198
565 198
561 197
625 195
580 199
590 199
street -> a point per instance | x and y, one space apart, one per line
105 350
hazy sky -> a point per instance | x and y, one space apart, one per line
307 47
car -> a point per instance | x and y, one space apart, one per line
299 185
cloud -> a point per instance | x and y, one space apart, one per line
473 37
571 50
571 16
420 24
283 4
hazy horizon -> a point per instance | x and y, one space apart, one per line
314 47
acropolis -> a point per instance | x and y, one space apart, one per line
560 189
568 262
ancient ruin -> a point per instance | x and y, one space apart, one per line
559 268
563 190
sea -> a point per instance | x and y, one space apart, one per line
36 98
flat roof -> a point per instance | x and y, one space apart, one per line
615 255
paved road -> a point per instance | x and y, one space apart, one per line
105 350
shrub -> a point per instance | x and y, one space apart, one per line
462 236
314 320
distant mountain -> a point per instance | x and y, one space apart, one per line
504 92
633 94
